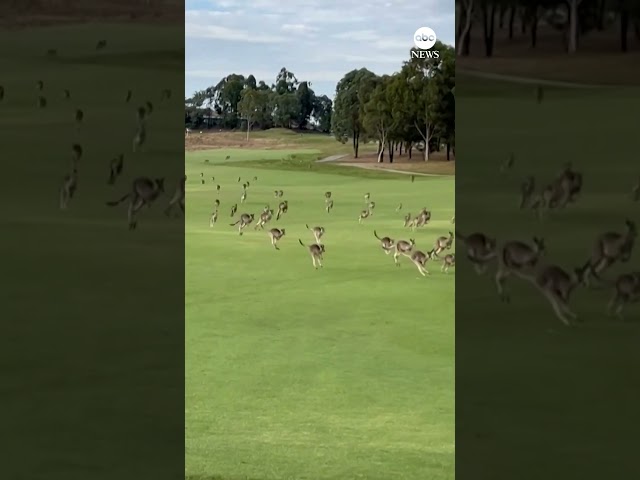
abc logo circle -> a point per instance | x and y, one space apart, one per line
424 38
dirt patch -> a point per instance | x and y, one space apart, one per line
215 140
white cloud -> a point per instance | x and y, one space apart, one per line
319 40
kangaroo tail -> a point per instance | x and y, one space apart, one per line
119 201
301 243
234 224
376 235
307 226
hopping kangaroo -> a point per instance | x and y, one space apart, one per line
386 243
481 249
403 248
283 208
329 206
144 191
178 197
317 232
68 188
214 218
557 285
419 259
625 290
448 261
234 209
316 250
364 214
263 219
275 234
519 258
611 247
443 243
115 168
245 219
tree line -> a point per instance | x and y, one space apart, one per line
242 102
572 19
413 108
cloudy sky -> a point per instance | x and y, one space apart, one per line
318 40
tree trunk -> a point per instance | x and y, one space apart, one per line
465 33
465 45
488 23
390 152
501 14
512 19
379 148
534 26
400 148
624 30
248 129
448 151
523 22
410 150
357 144
573 26
602 11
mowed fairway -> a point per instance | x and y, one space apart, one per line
521 372
345 372
82 321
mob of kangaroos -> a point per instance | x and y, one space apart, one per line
144 191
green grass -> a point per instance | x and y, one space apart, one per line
342 373
534 396
88 304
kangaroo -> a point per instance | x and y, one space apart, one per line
316 250
407 220
178 197
76 153
419 259
329 206
239 178
386 243
234 209
263 219
557 285
371 206
79 116
245 219
423 218
364 214
139 138
216 203
635 191
141 114
115 168
443 243
275 193
453 220
317 232
101 44
626 289
275 234
214 218
39 85
527 189
149 107
283 208
144 191
202 178
481 249
68 188
243 197
508 163
518 258
403 248
66 93
42 102
449 260
127 98
399 207
611 247
366 197
327 195
218 188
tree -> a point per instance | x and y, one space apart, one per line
306 100
322 111
465 24
250 106
345 121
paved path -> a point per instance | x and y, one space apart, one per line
536 81
332 158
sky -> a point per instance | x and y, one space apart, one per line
318 40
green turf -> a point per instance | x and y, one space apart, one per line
535 397
88 305
291 373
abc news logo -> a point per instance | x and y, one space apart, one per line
424 38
